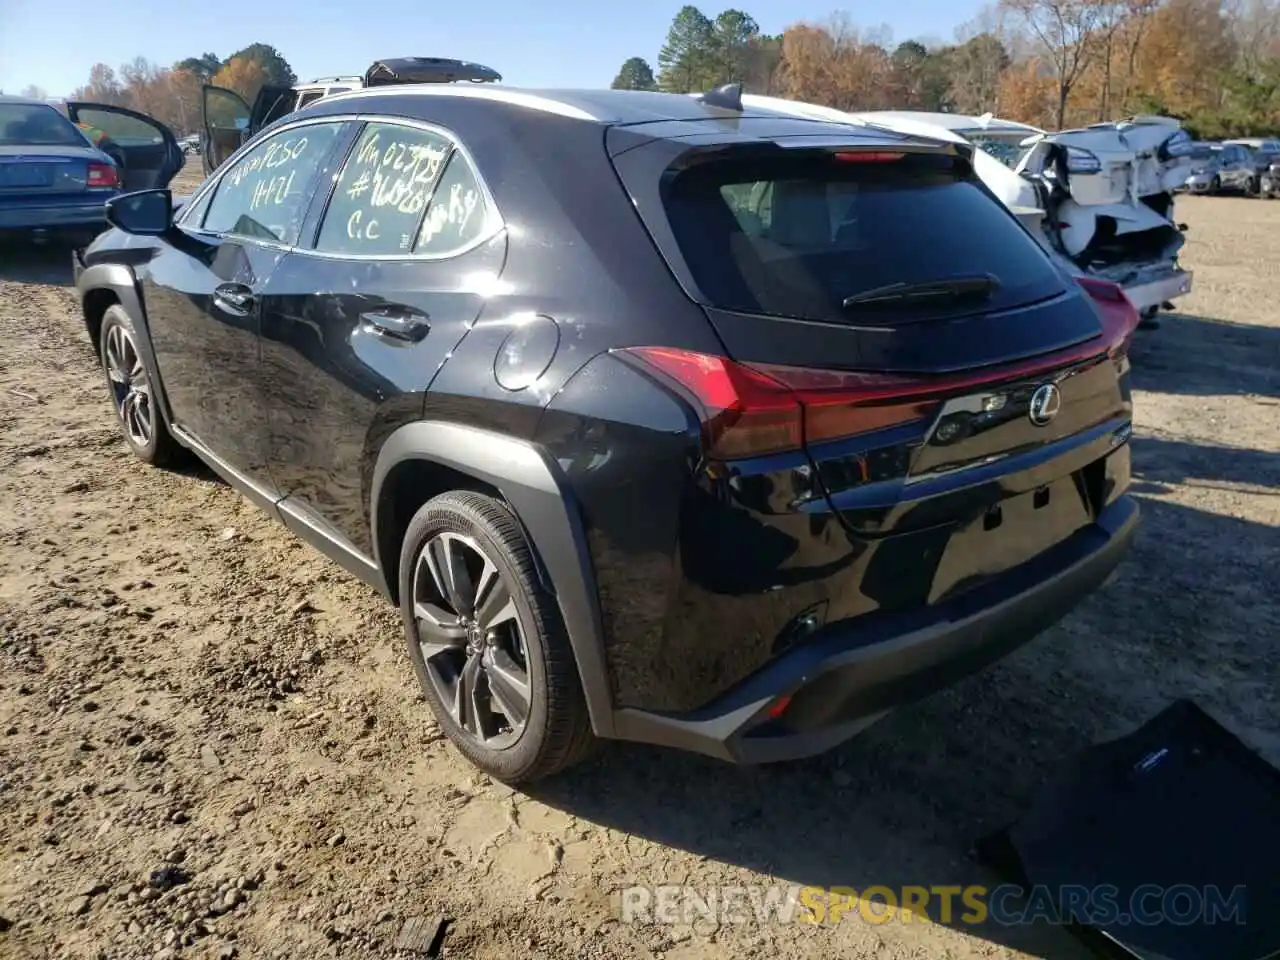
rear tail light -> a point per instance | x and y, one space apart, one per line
744 412
1080 160
103 175
1120 318
753 409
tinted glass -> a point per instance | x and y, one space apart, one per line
796 237
311 96
125 130
457 215
384 188
1005 148
37 125
225 110
265 194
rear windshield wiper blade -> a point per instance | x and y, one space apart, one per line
977 285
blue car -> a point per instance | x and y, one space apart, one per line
58 170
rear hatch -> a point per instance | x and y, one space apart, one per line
955 384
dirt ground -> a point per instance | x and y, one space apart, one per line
184 687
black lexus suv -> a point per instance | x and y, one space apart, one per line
661 418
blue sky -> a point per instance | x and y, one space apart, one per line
564 43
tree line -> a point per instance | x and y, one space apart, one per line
172 94
1214 64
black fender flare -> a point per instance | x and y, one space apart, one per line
121 281
533 486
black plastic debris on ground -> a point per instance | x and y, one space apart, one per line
1173 831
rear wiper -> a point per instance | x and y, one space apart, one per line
977 285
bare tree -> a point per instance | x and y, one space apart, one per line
1067 31
1113 15
103 86
1255 27
34 92
1139 15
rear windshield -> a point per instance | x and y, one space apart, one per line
1007 148
35 125
796 237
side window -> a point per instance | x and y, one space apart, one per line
125 130
457 214
265 194
385 186
309 97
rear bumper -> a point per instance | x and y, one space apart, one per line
1150 286
847 676
1153 293
89 215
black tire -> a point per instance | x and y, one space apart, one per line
1215 185
1255 186
556 732
154 444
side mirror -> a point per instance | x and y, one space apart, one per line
147 213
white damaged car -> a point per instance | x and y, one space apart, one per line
1100 197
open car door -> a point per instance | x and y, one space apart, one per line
144 147
270 105
229 121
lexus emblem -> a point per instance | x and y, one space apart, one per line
1045 403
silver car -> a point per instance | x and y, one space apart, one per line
1220 166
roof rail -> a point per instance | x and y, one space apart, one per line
347 78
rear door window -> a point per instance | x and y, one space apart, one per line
405 190
797 237
383 191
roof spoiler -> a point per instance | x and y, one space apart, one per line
427 70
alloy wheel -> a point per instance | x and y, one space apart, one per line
471 640
130 386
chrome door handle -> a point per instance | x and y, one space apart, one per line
234 298
398 323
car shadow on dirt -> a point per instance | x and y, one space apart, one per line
1160 463
902 804
42 264
1201 356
